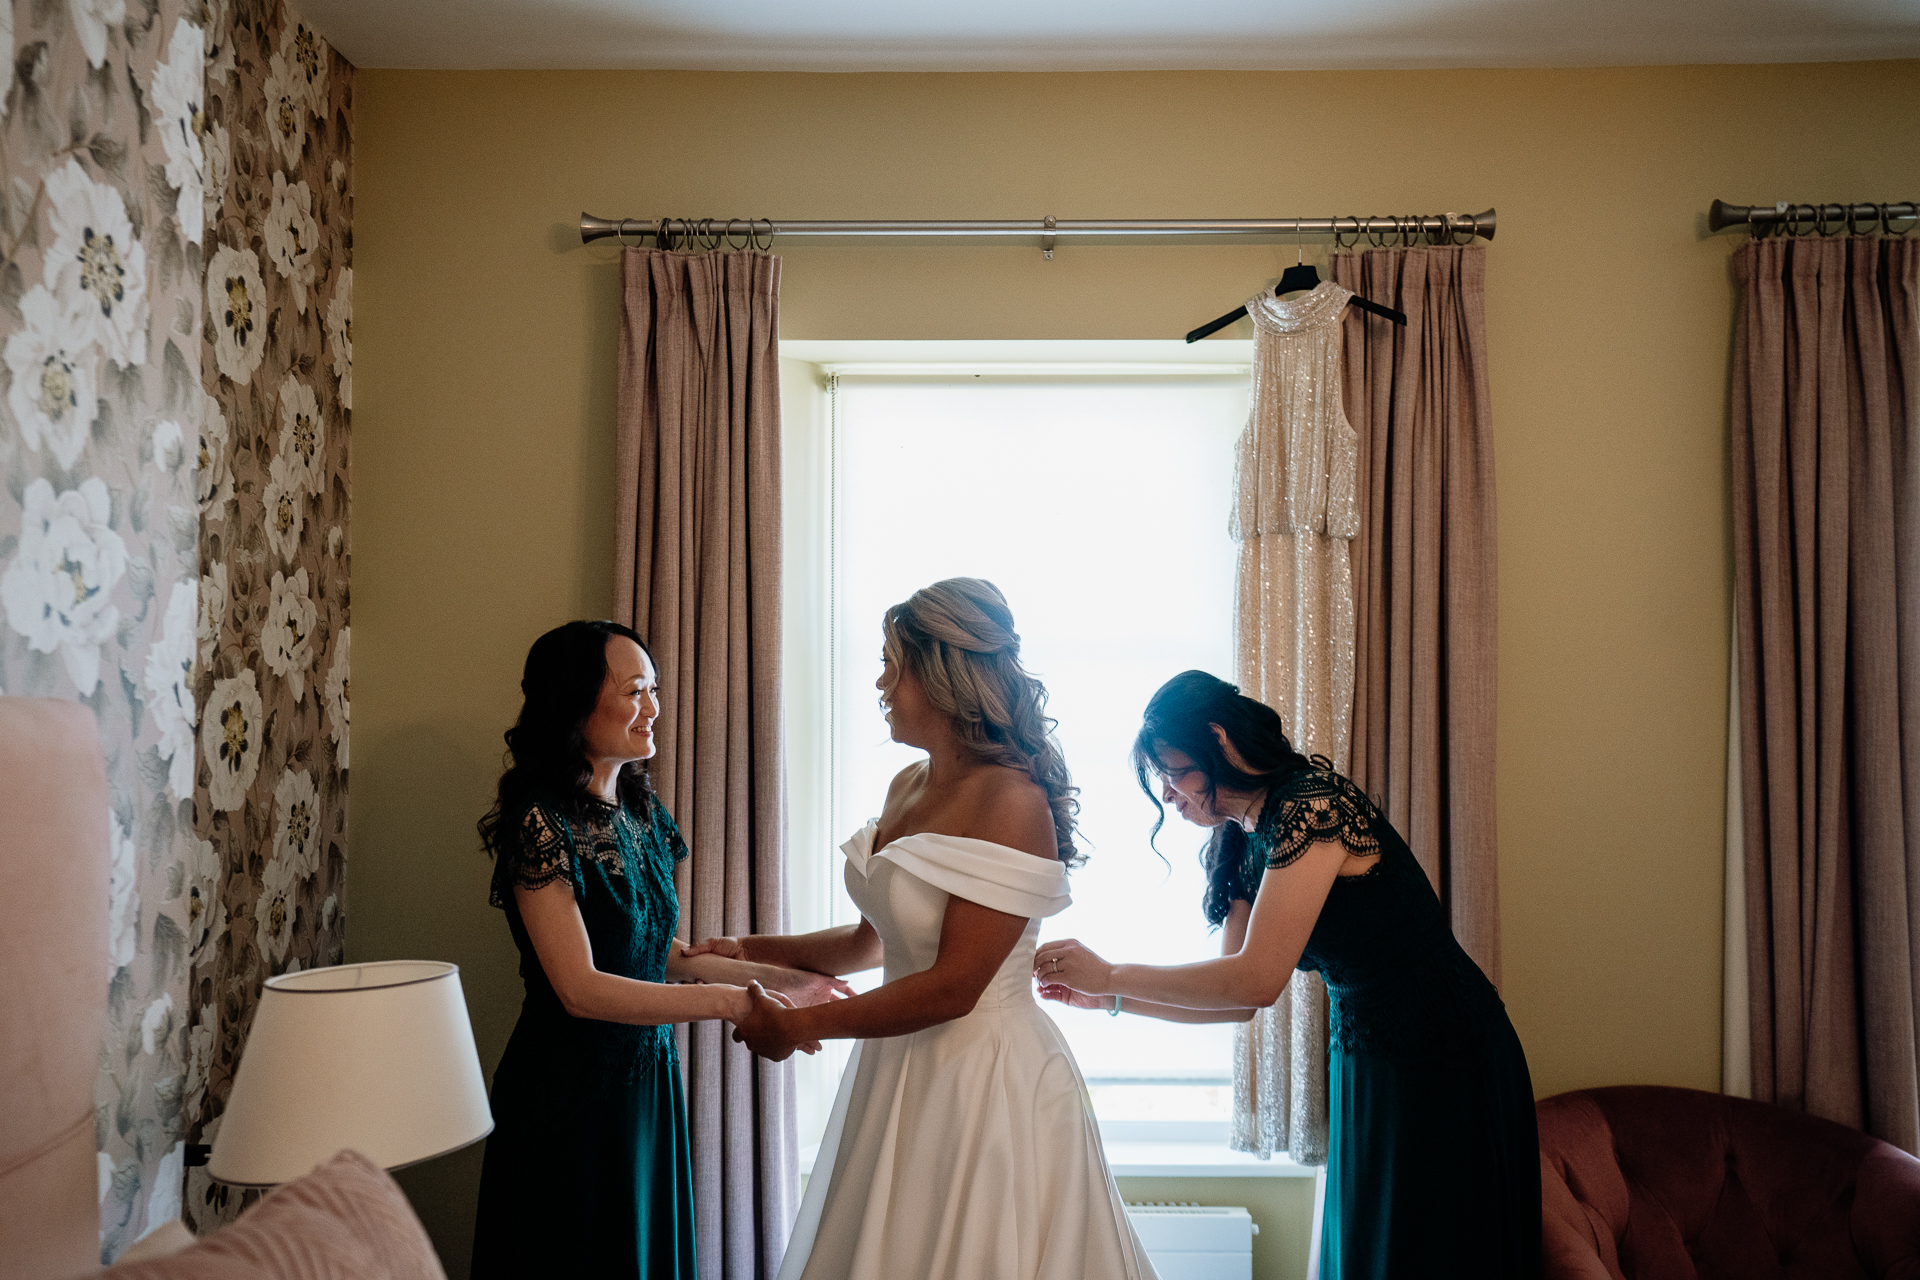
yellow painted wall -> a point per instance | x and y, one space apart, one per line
483 435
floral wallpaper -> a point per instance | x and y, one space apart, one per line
271 630
176 380
101 244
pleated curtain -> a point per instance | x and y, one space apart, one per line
1827 626
1424 570
697 573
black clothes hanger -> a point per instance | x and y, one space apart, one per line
1301 275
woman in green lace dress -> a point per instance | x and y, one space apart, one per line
1433 1165
587 1171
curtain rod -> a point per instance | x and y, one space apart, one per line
1827 219
760 231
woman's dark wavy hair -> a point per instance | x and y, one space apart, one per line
546 753
1180 716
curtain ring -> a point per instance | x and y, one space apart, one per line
1432 234
1338 243
620 233
1375 240
662 239
1788 224
1409 225
1848 218
1820 220
1466 225
768 246
745 244
1888 217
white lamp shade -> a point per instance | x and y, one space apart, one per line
377 1057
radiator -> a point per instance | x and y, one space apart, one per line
1196 1242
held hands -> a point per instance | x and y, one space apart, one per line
1071 974
800 987
763 1028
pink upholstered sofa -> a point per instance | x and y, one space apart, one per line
346 1219
1647 1183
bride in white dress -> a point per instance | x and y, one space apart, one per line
962 1144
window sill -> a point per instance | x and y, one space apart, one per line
1145 1159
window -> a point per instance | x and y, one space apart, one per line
1096 499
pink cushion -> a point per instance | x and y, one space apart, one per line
53 999
347 1220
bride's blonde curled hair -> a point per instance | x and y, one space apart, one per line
957 638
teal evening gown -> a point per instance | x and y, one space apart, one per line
588 1171
1433 1166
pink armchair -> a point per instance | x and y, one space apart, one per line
1648 1183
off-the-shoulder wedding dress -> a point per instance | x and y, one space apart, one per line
967 1150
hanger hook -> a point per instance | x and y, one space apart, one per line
1298 256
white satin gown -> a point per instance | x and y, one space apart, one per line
969 1150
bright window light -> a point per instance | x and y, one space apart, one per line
1098 504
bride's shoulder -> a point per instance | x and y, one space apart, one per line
1011 809
908 780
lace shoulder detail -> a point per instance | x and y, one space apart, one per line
669 832
1313 805
545 852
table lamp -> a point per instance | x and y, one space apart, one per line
374 1057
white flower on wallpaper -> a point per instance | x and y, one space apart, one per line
340 335
178 93
286 642
274 913
212 612
286 513
53 362
237 302
91 18
214 476
156 1023
286 92
170 686
334 541
230 728
297 838
96 263
327 909
58 590
200 1043
123 898
305 54
218 149
303 435
206 912
168 449
291 235
336 699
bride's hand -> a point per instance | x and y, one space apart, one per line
1067 963
763 1031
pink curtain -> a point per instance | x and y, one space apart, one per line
1827 618
1423 570
697 572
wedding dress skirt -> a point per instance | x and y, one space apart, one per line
969 1150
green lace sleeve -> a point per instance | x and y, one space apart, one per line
1312 806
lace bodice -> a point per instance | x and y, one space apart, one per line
620 867
1394 972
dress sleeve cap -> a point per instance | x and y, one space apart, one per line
1320 806
543 854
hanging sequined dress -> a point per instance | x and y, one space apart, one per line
1295 514
589 1170
1433 1167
